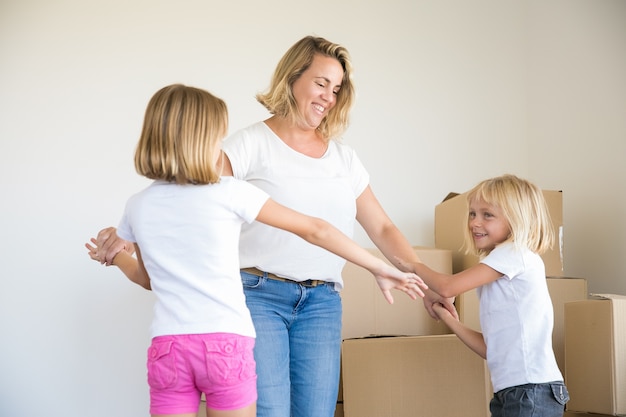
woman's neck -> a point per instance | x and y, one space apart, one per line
305 141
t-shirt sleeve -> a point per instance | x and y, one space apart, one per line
124 229
506 259
250 200
238 153
360 175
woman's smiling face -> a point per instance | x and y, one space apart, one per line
316 89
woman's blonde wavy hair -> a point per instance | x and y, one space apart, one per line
279 99
181 127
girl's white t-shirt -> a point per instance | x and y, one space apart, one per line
325 187
189 237
517 318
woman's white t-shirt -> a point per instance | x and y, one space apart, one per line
325 187
189 237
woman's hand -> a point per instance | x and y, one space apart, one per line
92 250
107 245
389 278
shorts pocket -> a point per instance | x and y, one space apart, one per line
161 365
561 395
230 361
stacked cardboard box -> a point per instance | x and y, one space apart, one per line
595 354
366 312
416 376
392 376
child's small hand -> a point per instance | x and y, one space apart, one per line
442 312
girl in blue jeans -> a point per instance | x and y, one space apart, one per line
508 227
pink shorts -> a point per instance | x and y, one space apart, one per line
181 367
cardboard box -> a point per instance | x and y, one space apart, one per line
595 354
415 376
468 307
451 222
366 312
562 290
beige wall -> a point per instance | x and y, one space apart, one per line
449 92
577 129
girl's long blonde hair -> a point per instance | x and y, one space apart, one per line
181 128
523 206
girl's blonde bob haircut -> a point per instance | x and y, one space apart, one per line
181 130
279 99
523 206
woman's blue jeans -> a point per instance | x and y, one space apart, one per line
530 400
298 346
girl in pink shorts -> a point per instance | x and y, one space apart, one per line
184 228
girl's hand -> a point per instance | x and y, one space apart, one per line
443 313
432 298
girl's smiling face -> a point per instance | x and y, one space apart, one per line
487 225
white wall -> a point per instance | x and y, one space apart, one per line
449 92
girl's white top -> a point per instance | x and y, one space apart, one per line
516 317
325 187
189 236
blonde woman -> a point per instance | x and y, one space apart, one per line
296 157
